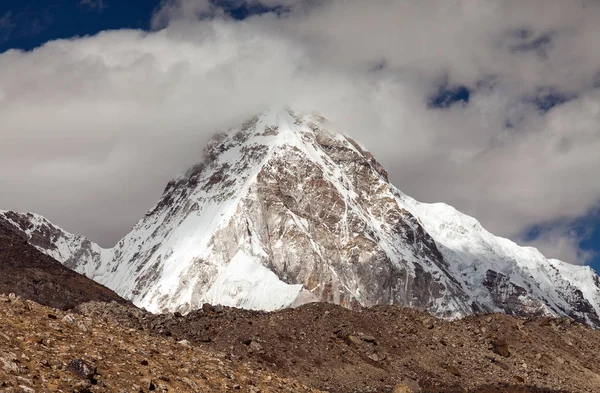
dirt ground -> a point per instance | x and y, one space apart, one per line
386 349
46 350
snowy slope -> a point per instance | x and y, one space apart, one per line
73 251
244 283
284 210
546 286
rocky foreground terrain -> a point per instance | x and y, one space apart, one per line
108 347
46 350
386 349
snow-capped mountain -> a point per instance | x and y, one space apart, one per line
284 210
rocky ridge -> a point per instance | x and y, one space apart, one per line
29 273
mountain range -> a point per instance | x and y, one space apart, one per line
286 210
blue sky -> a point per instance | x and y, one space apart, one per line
530 81
28 24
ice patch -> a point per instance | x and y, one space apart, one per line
245 283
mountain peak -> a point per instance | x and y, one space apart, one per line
251 163
285 210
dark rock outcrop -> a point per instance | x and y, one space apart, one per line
30 274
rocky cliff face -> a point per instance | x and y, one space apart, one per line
284 210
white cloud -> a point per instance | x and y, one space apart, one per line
562 242
93 128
